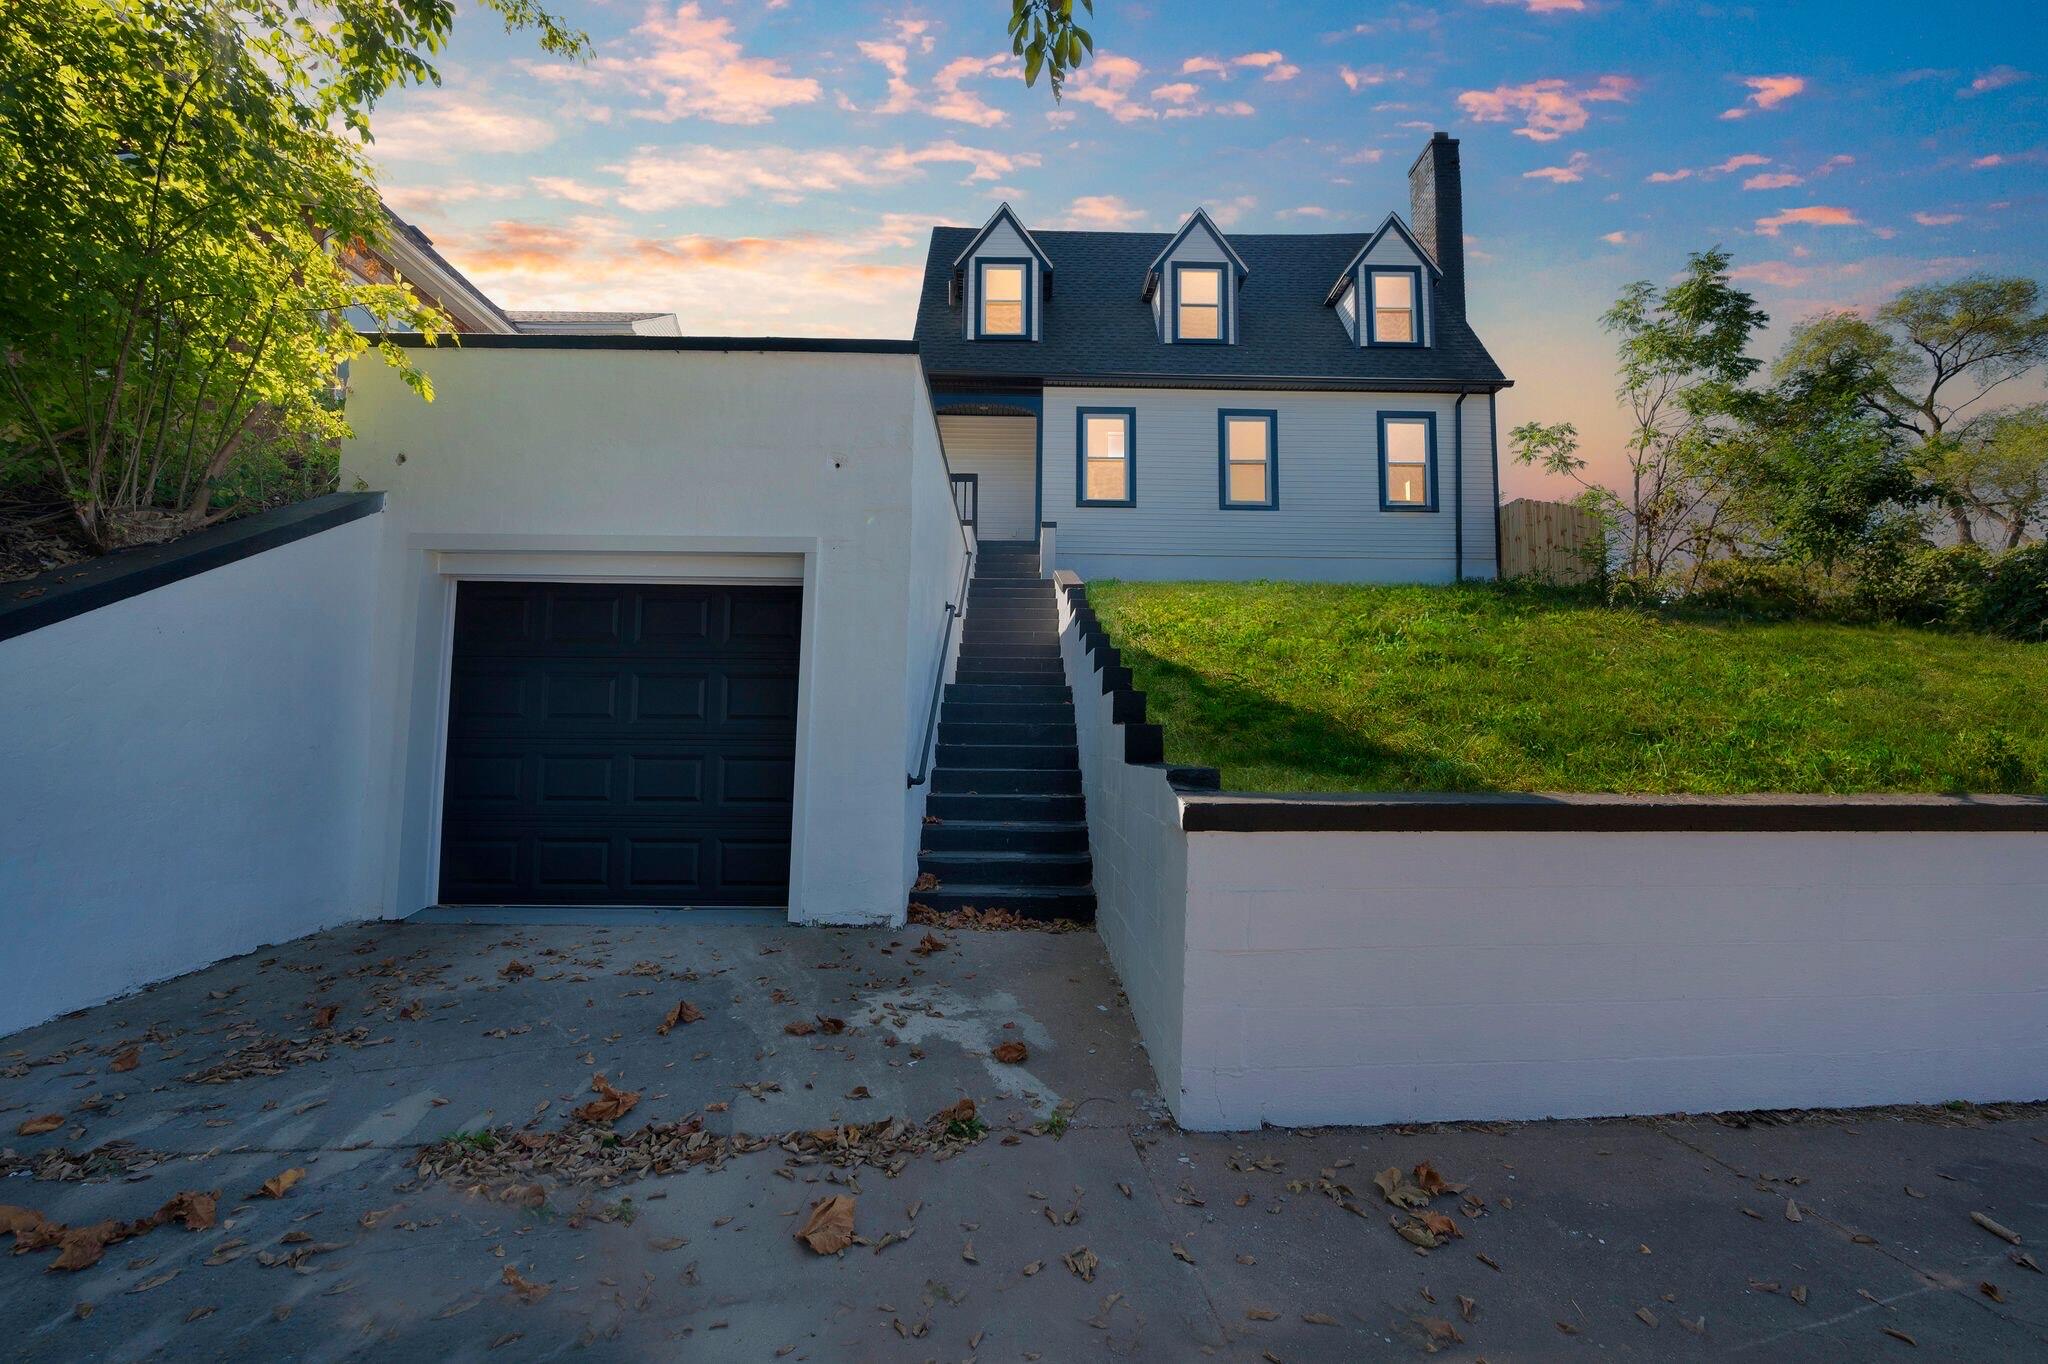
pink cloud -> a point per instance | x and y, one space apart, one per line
1833 164
1548 108
1766 92
1179 92
1776 273
1197 66
1107 212
1668 177
1778 180
1617 238
1306 211
1570 173
962 105
1365 156
1812 215
575 191
1997 78
894 59
437 125
1736 163
691 66
1271 62
1546 6
1106 84
1937 219
655 179
1364 78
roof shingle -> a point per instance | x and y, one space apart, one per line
1096 325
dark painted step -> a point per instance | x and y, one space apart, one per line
1010 835
1003 639
951 805
1030 902
975 694
1046 756
997 713
1021 653
975 672
1007 868
969 732
998 781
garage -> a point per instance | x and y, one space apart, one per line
620 744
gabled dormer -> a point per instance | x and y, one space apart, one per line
1384 297
999 281
1193 285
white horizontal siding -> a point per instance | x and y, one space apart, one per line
1003 453
1328 525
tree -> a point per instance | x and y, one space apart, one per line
1998 469
1925 359
179 193
1681 351
1044 34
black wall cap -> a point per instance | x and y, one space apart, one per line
1506 812
76 589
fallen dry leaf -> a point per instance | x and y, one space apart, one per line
831 1027
35 1127
29 1228
611 1103
1798 1294
126 1060
1083 1262
1180 1252
279 1184
959 1112
81 1247
829 1228
1261 1314
1440 1333
1648 1317
1397 1189
859 1092
1320 1319
515 968
1433 1183
2024 1260
1792 1210
523 1288
684 1012
323 1017
1896 1334
803 1027
1468 1308
1012 1053
929 944
1991 1291
196 1210
1440 1224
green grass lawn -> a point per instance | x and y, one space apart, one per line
1321 687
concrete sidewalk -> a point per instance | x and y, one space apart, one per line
1653 1238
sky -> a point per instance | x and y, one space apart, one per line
775 166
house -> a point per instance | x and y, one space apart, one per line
1207 404
409 253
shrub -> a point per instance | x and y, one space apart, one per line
2015 597
1927 585
1755 587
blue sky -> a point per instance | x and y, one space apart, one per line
776 167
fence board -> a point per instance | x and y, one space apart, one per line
1555 541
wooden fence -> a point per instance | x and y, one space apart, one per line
1555 541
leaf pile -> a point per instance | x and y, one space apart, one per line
81 1247
994 919
273 1056
591 1155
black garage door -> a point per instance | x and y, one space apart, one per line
617 744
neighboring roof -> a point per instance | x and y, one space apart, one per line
1392 224
1003 211
410 252
1200 215
598 321
575 316
1096 327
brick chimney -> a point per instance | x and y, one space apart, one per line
1436 209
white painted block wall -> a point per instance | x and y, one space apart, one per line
180 781
1399 977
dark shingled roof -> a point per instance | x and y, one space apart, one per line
1096 326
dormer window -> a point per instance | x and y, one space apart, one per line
1198 302
1003 299
1396 307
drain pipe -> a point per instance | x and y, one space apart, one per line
1458 482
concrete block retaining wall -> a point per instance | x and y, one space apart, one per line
1314 960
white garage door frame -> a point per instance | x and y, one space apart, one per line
716 561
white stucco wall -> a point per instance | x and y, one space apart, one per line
663 465
1140 859
180 774
1328 525
1401 977
939 555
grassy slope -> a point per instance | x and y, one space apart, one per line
1317 687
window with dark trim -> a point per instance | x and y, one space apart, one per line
1394 311
1198 303
1248 459
1408 461
1105 473
1003 299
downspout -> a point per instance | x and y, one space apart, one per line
1493 439
1458 483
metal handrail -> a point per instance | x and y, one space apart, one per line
953 611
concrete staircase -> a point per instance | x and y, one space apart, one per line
1007 787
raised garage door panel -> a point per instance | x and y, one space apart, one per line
620 744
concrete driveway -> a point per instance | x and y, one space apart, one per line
1104 1232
